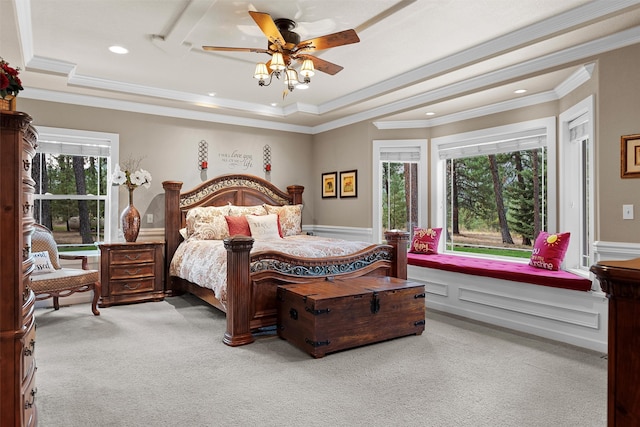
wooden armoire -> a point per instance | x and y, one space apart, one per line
620 280
17 322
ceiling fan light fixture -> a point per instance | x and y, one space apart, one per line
307 69
277 62
261 72
291 77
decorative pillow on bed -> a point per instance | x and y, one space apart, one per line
238 225
207 223
42 263
264 226
247 210
290 217
425 240
549 250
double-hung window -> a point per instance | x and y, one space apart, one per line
72 192
400 185
495 189
577 189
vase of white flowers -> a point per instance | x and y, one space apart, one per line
130 217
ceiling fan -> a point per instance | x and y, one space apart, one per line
285 48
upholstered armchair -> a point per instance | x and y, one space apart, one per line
51 280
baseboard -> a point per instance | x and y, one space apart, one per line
347 233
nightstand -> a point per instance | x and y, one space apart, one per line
131 272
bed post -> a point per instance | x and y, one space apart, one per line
399 241
295 191
172 223
238 291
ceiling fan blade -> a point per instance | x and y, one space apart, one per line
330 40
268 27
234 49
322 65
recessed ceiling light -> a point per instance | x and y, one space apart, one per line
520 91
430 113
119 50
274 104
211 94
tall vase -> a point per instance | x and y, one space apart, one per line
130 219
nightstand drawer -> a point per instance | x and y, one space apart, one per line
133 271
132 256
133 286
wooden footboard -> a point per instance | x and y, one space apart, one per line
252 280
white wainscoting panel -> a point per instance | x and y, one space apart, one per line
574 317
616 251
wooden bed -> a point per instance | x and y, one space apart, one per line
252 279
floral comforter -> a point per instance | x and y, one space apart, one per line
204 262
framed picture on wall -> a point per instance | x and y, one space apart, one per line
349 183
630 156
329 185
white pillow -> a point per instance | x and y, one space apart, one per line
263 226
42 263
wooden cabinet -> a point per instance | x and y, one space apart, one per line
620 280
17 301
131 272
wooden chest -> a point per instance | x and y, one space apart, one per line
326 316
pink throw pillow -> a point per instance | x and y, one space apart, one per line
238 226
425 240
549 250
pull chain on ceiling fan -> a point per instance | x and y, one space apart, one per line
285 48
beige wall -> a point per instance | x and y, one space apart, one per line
170 149
618 114
615 85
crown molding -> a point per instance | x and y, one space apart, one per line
138 107
559 58
499 107
579 77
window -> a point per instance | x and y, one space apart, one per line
72 195
399 195
495 188
577 192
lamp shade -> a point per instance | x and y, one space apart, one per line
291 78
307 69
277 62
261 72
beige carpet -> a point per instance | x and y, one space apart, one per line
163 364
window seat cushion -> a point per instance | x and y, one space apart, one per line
517 272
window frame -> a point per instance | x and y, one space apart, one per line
76 136
546 125
571 192
379 146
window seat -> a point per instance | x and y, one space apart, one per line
517 272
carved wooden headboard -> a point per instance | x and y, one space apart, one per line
237 189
